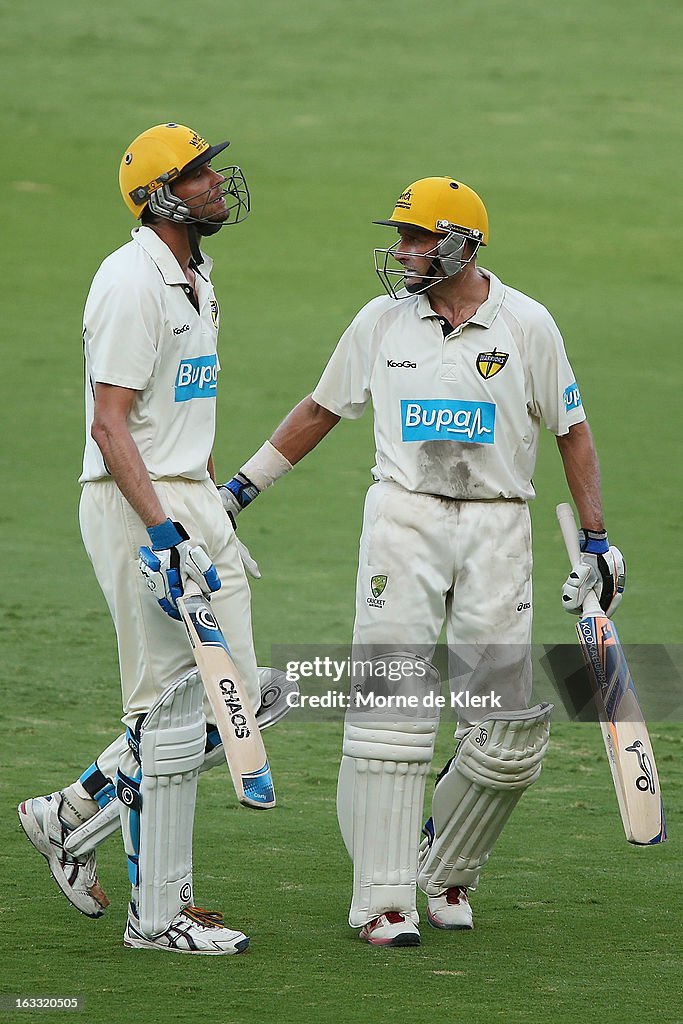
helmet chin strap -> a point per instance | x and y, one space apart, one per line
433 275
193 239
200 229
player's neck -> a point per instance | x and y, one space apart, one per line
176 237
458 298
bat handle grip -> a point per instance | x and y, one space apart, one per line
191 589
565 517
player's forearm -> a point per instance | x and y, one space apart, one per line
582 470
123 460
296 436
304 427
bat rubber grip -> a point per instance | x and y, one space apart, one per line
565 517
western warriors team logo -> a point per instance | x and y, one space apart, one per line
444 419
196 378
405 200
213 305
491 363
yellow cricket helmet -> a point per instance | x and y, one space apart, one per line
441 205
158 157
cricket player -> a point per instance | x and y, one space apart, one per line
151 518
461 371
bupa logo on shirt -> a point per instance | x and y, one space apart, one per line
445 419
196 378
572 397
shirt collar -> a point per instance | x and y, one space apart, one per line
168 266
484 315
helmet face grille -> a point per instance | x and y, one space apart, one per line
447 260
235 192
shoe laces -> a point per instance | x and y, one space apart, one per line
205 918
393 917
455 894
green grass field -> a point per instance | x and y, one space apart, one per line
567 121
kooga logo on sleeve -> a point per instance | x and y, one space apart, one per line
196 378
445 419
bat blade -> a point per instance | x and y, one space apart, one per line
242 741
625 734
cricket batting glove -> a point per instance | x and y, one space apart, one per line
602 569
170 560
248 561
236 494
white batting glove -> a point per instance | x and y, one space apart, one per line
248 561
171 560
602 569
236 494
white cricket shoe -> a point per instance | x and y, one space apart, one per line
391 929
451 909
193 931
75 876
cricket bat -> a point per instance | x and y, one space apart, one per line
235 720
627 741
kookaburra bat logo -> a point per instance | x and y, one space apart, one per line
645 782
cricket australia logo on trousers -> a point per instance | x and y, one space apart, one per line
196 378
377 586
449 420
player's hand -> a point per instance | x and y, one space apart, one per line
236 494
170 561
602 569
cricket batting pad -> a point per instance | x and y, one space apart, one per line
477 793
380 797
171 750
275 691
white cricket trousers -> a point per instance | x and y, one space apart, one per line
465 564
426 562
153 648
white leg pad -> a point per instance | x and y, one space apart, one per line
87 837
494 764
380 799
172 739
275 689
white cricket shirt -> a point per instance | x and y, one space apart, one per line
457 416
141 331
